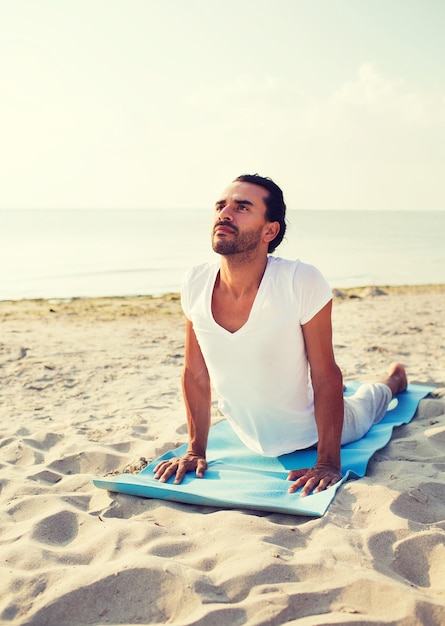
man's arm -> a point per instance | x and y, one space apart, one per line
197 398
328 406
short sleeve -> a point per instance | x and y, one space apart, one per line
195 282
312 290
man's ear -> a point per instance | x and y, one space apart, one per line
272 230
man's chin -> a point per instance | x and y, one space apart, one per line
223 250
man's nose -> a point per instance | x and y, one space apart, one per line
225 214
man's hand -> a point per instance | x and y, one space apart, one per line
314 479
180 466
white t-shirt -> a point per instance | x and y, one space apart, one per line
260 372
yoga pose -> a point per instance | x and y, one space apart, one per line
259 331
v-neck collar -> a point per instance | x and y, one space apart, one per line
253 308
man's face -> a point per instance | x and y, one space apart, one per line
240 219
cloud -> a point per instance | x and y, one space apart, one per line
370 97
376 94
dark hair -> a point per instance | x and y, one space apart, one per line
274 201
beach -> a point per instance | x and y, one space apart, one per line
91 387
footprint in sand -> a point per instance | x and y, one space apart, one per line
17 452
95 462
423 504
59 529
45 442
136 595
421 559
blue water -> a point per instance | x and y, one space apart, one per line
65 253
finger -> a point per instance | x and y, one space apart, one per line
294 474
161 466
166 472
201 468
309 486
158 467
325 483
181 471
317 484
307 481
298 483
158 471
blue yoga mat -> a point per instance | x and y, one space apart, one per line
239 478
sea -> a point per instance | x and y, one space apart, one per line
63 254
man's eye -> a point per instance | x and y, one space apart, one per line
242 207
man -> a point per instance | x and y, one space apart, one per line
259 329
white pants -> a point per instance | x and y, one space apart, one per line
366 407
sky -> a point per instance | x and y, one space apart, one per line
161 103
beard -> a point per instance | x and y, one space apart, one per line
238 243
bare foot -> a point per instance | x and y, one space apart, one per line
396 379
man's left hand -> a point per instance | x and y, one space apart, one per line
314 479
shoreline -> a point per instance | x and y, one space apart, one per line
153 302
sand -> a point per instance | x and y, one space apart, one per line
90 387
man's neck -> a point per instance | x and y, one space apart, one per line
241 276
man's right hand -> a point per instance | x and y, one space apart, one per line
180 466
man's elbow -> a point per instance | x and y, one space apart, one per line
329 379
198 378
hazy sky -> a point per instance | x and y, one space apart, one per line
161 103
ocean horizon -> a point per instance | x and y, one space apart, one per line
61 254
